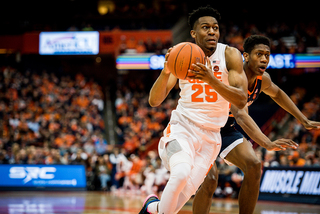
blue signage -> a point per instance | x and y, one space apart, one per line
279 61
276 61
42 176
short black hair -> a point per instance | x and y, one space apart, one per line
203 11
253 40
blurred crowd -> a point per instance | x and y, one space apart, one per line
285 38
46 119
50 119
93 15
293 34
138 123
308 152
132 45
301 38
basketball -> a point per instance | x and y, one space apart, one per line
182 56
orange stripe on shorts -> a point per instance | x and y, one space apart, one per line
168 130
209 169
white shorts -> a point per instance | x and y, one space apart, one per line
199 147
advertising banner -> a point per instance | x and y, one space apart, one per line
276 61
69 43
140 62
42 176
292 184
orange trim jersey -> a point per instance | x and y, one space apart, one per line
199 102
252 96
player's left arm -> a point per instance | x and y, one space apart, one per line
283 100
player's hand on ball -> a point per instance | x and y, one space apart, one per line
165 67
201 71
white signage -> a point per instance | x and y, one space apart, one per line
157 62
279 61
69 43
291 182
29 173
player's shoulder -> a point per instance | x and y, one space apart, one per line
266 81
232 53
266 77
233 57
232 50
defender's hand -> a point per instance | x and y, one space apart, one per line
309 125
281 144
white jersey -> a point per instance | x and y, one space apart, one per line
199 102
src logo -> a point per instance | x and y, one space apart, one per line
29 173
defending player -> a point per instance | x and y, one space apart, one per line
235 148
192 140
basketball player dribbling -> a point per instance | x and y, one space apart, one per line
235 148
192 140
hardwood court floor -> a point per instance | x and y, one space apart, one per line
101 202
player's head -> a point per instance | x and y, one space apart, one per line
256 53
205 28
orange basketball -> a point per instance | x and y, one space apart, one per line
182 56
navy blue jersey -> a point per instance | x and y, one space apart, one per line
252 96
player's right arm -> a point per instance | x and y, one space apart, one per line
162 86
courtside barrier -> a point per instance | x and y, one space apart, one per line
42 177
291 184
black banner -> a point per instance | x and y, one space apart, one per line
291 184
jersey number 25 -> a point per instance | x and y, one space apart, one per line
211 96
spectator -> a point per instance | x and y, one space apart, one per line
150 46
296 160
161 175
78 158
270 159
103 170
133 177
122 46
225 178
72 28
148 184
64 159
98 102
116 158
89 147
87 27
158 47
139 124
100 144
284 161
131 43
3 157
141 48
